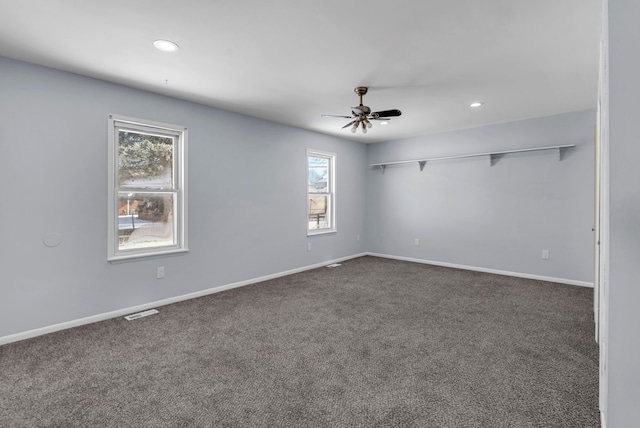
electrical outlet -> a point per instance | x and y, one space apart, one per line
160 272
416 241
309 246
357 237
545 254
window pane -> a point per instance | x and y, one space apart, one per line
144 160
145 220
319 212
318 174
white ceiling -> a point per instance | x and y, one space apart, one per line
290 61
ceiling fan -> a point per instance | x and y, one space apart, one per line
362 115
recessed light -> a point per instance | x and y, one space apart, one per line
476 104
166 45
384 122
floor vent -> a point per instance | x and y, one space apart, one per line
332 265
141 314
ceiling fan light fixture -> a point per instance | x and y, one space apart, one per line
476 104
362 114
166 45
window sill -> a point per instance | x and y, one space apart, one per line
320 232
142 256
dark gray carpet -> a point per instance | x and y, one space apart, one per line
373 343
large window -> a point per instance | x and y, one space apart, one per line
147 188
321 205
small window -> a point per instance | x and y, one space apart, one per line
147 188
321 205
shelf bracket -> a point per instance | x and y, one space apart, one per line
494 158
422 164
383 167
561 152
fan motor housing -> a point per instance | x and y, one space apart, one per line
361 110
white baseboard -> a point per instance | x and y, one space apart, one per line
486 270
132 309
126 311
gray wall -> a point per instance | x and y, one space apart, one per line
247 196
247 199
500 217
624 269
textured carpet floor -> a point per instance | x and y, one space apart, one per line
372 343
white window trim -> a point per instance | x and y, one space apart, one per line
332 191
180 174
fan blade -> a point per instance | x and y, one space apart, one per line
379 118
388 113
336 115
349 124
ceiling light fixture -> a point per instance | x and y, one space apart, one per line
476 104
362 114
166 45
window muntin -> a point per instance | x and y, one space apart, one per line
147 192
320 192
